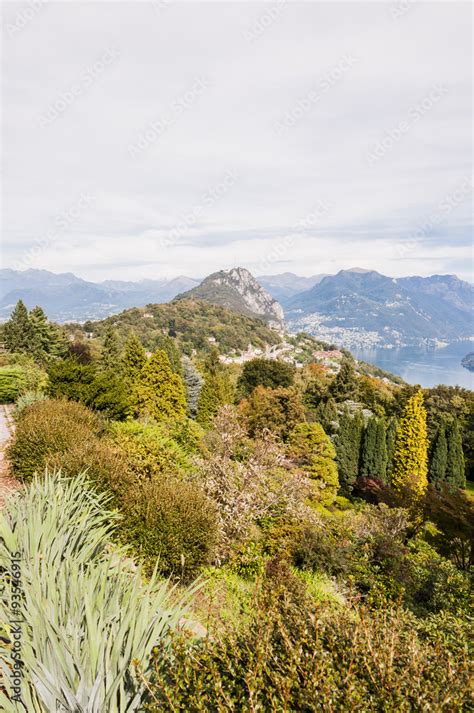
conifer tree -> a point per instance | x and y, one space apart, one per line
326 413
348 441
390 441
168 345
278 410
345 385
18 331
193 382
455 466
159 392
439 457
374 450
133 358
216 389
109 358
410 458
48 341
314 452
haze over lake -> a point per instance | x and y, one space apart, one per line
422 366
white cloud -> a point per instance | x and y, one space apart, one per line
230 127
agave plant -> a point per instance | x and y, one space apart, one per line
86 611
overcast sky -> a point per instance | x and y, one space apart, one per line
156 138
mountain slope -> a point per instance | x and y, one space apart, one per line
238 290
395 311
195 323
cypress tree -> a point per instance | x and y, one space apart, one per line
374 450
326 414
193 382
168 345
315 453
410 458
348 441
18 331
439 457
216 390
455 466
390 441
109 357
133 358
159 392
345 385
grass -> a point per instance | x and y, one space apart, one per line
470 489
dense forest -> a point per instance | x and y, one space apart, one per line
225 534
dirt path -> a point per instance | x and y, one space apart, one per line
7 483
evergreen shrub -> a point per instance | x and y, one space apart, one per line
170 523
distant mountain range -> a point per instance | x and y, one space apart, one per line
65 297
365 308
354 308
285 286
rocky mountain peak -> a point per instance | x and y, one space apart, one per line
238 289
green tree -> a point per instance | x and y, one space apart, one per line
313 451
348 440
216 390
326 414
264 372
159 392
279 410
110 353
18 331
455 467
345 385
168 345
193 381
48 341
374 450
391 436
410 458
100 390
133 358
439 457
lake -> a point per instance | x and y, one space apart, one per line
422 366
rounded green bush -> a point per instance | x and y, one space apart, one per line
170 522
47 429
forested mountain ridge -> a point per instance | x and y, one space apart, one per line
195 323
409 310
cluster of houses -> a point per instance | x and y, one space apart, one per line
286 352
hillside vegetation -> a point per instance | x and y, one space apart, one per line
197 535
192 322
